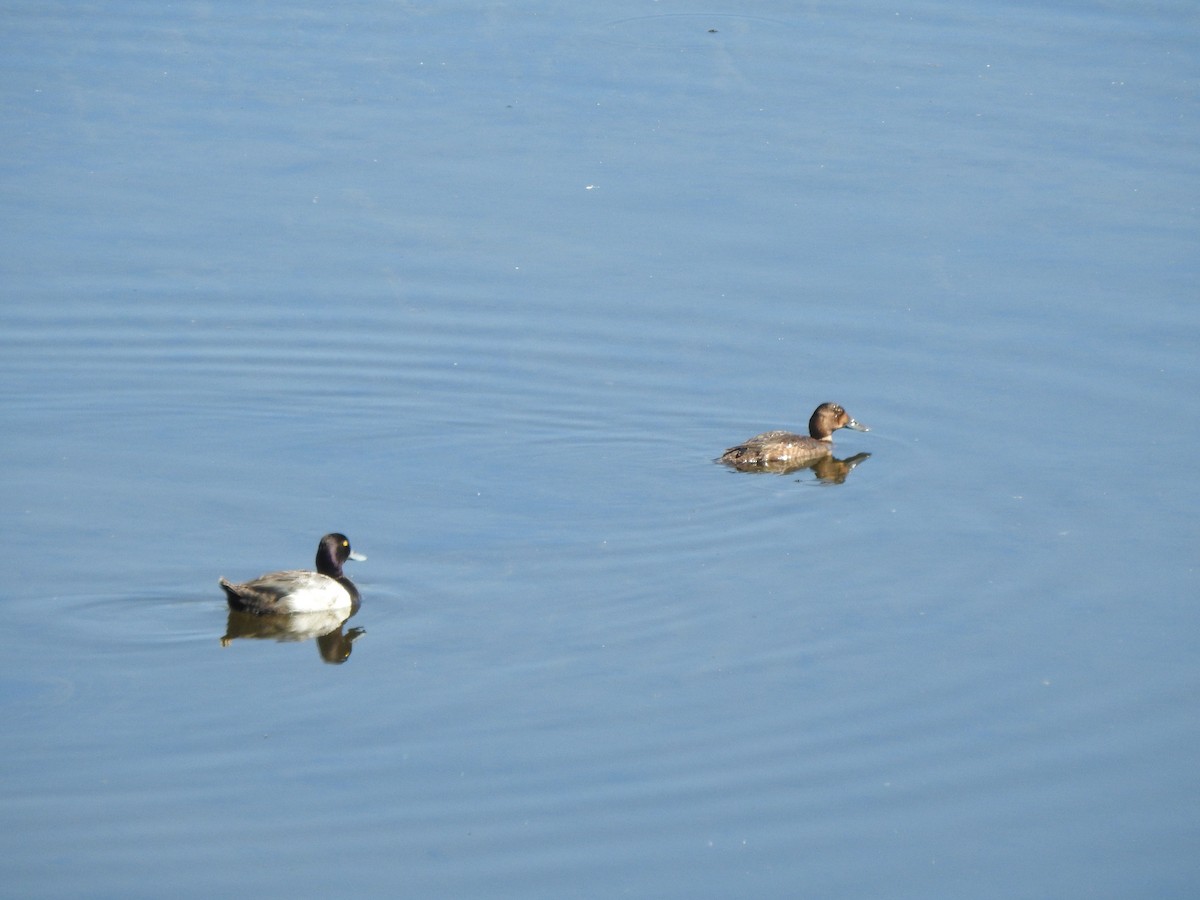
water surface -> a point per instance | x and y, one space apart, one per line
487 289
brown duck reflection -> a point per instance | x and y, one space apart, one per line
333 643
828 469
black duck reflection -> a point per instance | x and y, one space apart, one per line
334 642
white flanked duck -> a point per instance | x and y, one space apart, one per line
301 591
784 447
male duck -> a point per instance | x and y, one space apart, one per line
785 447
301 591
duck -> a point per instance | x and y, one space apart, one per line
300 591
784 447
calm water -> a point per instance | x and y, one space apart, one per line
487 287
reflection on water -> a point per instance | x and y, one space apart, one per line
333 643
827 469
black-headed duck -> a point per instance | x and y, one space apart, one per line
301 591
784 447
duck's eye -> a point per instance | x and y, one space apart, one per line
345 543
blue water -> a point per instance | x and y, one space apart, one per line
487 288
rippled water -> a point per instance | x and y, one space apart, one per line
488 288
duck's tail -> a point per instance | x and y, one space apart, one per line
231 593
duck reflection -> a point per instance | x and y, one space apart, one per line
827 469
333 642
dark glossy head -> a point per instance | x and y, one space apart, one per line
332 553
828 418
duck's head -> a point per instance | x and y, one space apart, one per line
332 553
828 418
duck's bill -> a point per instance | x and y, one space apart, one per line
856 426
357 557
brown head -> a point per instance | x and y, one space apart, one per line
828 418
